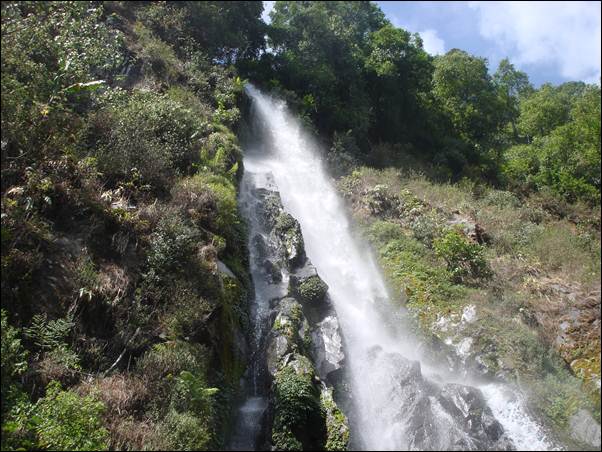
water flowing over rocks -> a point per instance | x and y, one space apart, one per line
299 348
429 416
325 335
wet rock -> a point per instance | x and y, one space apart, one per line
288 231
261 248
288 333
327 347
337 425
451 417
585 429
272 271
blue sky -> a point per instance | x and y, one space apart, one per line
550 41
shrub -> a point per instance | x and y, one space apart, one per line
501 199
50 50
14 360
67 421
465 259
171 246
223 192
157 56
184 431
427 227
187 313
221 153
152 134
160 365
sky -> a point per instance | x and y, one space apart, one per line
550 41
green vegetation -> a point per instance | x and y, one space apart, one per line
298 421
464 258
376 95
120 168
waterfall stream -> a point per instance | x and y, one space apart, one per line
401 400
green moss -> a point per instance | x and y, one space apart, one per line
312 290
232 364
284 439
288 321
337 428
285 223
298 418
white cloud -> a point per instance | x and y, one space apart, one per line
433 44
561 34
267 7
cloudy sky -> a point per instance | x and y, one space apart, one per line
550 41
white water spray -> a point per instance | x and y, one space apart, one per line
357 289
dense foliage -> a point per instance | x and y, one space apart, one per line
354 74
120 170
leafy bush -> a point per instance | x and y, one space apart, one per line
427 227
49 334
66 421
501 199
14 360
151 134
171 246
165 361
157 57
184 431
223 192
221 153
465 259
52 50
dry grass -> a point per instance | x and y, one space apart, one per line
122 394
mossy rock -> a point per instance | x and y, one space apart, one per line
337 427
289 232
298 416
311 290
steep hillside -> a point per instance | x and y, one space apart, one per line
124 263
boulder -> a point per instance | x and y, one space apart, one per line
327 348
433 417
585 429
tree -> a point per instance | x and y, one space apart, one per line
319 50
399 71
512 85
467 95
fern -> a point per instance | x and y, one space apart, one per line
49 335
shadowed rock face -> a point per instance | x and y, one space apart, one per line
426 416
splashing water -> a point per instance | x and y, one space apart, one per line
385 381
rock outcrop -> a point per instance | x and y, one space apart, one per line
436 417
303 350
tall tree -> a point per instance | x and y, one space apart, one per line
466 93
512 85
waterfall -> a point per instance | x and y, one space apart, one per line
400 400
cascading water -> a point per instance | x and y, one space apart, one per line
397 403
